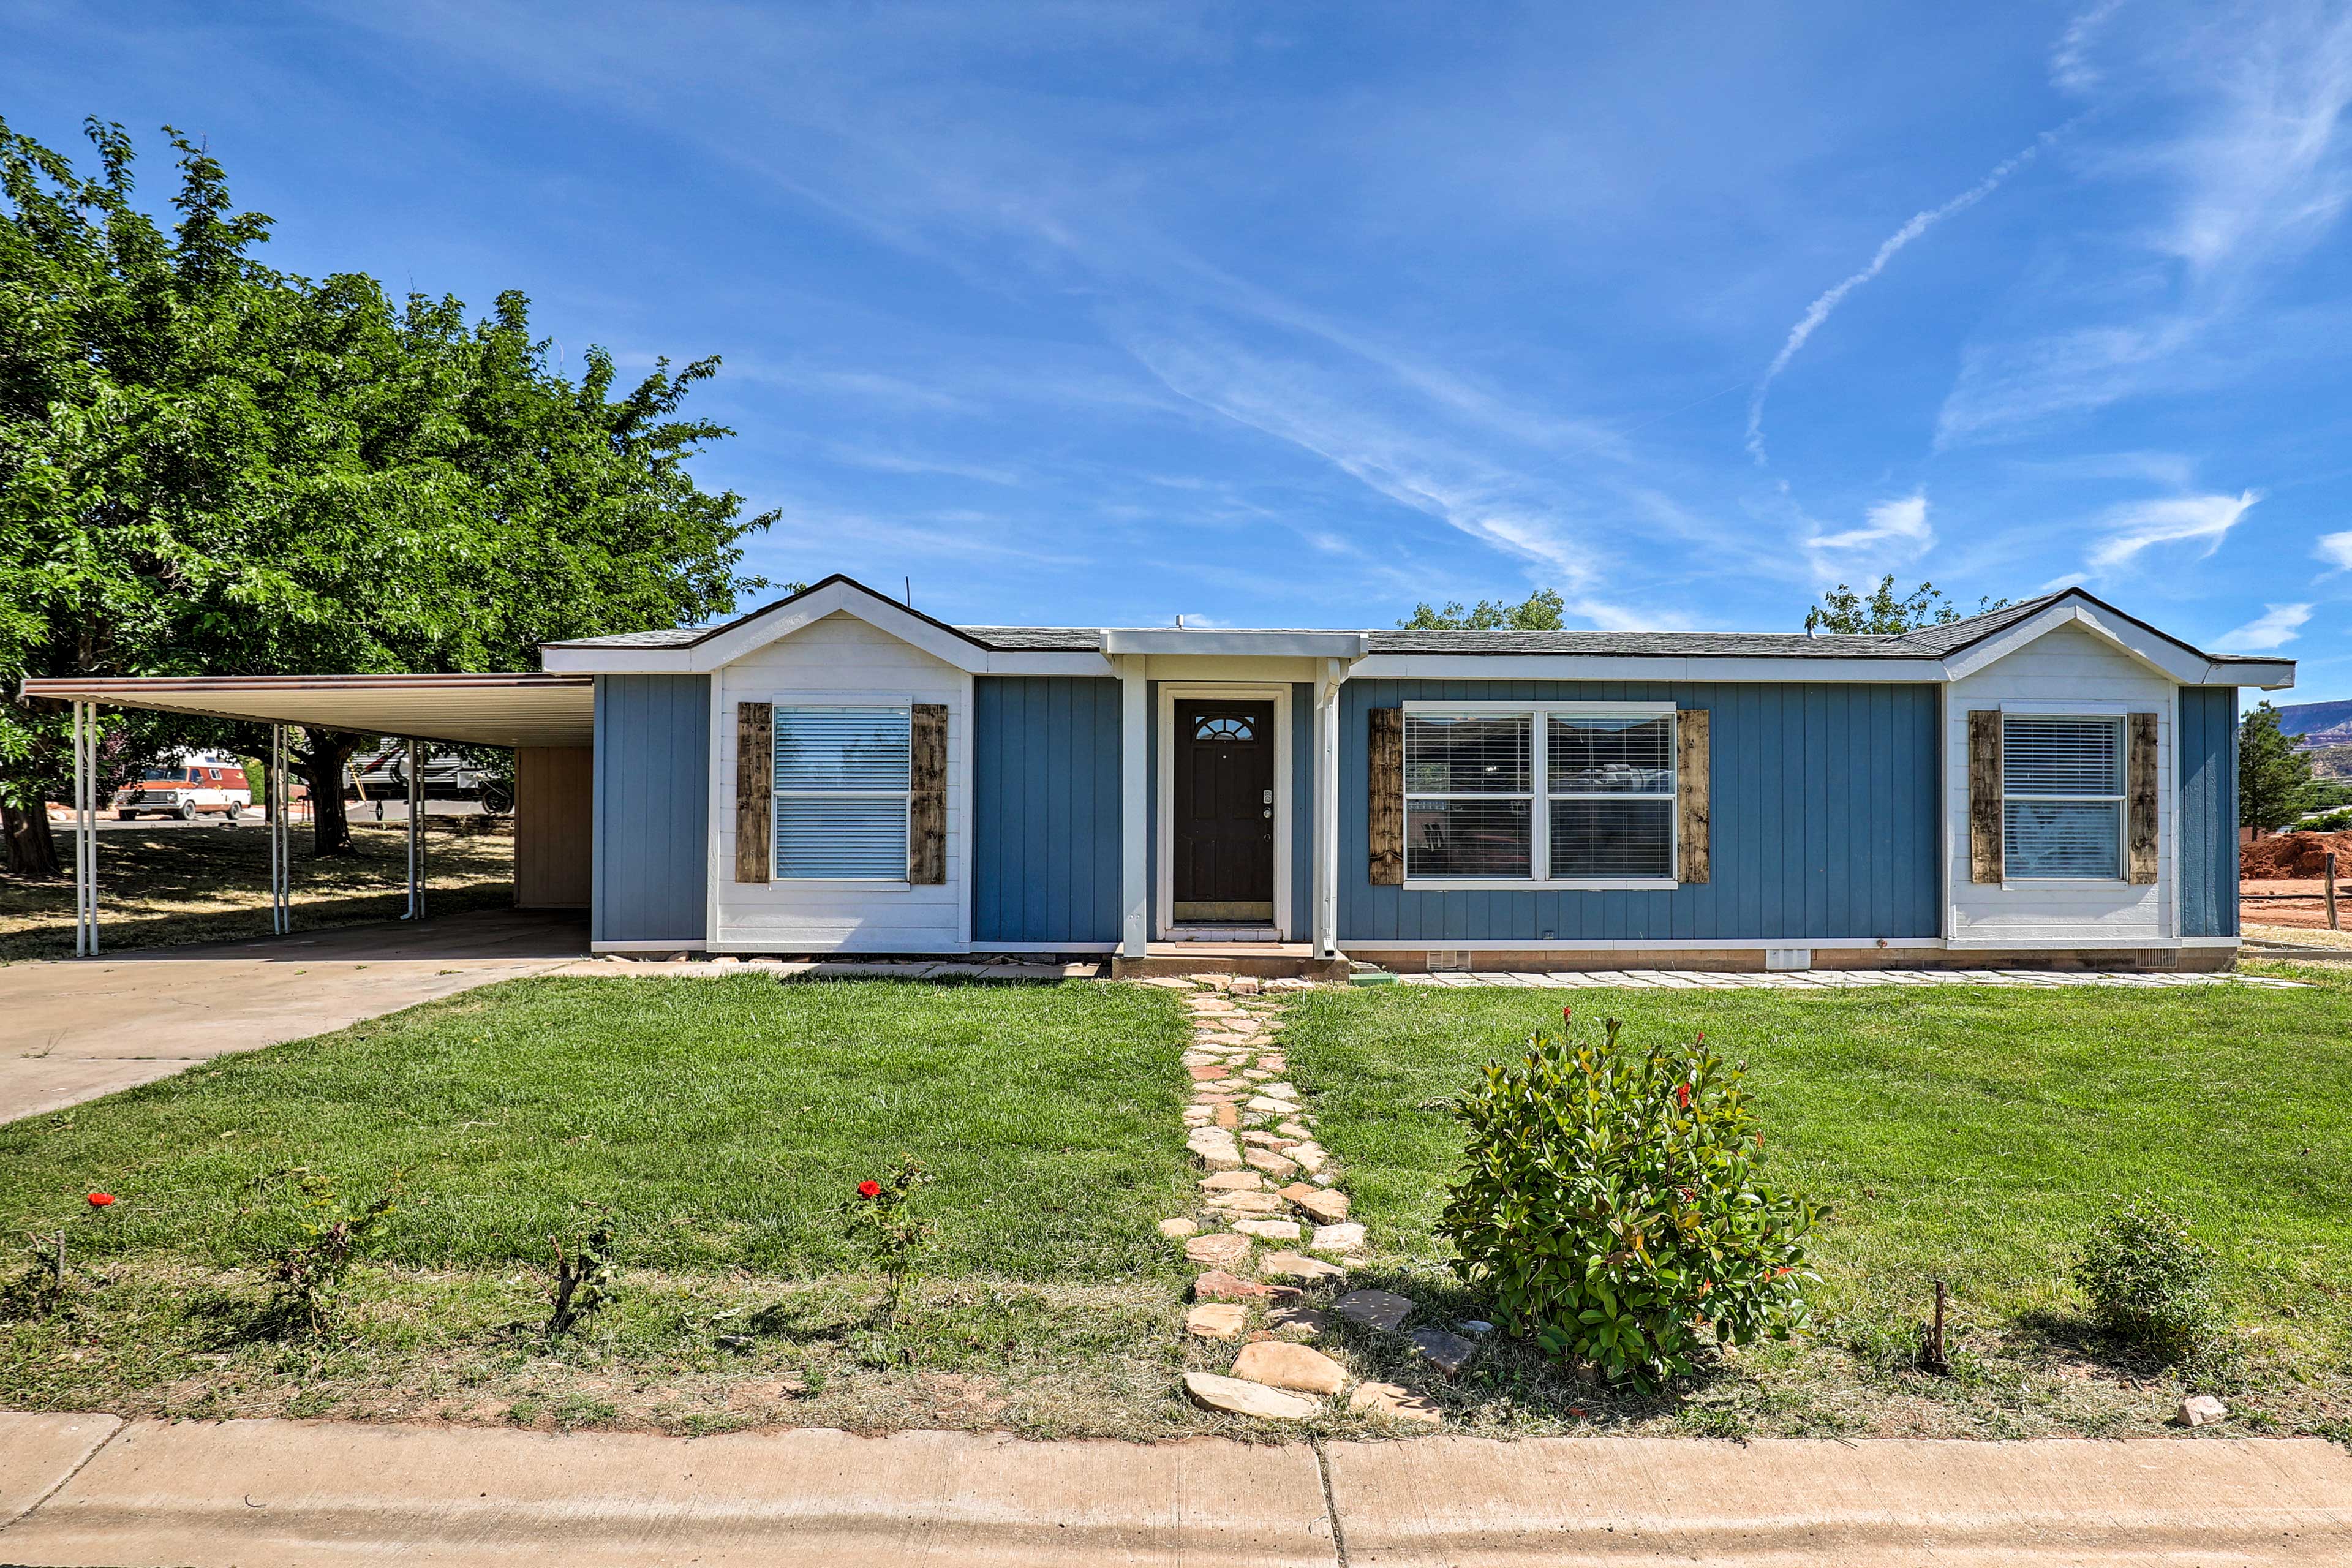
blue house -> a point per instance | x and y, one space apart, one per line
837 773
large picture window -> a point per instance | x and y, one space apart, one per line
1567 793
2062 784
842 781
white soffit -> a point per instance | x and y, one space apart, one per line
519 709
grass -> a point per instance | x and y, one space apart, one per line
164 886
720 1124
1960 1132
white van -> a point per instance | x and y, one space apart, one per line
205 783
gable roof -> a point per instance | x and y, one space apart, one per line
1946 642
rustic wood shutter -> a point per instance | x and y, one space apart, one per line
1692 802
927 803
2140 787
1984 796
755 767
1384 770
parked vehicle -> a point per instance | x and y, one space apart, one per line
205 783
385 776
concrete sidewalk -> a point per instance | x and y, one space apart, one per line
73 1029
87 1489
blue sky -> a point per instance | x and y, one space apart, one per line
1294 315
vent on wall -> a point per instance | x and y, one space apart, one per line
1447 960
1788 958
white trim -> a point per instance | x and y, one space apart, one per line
1792 671
1163 898
967 700
1530 885
2212 941
1240 643
1134 807
684 943
1439 705
1323 858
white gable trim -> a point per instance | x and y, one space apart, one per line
2171 660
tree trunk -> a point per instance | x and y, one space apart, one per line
31 847
322 759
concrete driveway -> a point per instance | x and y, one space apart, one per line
73 1029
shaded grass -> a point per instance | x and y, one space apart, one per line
721 1121
1961 1132
167 886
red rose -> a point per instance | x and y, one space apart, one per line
870 1189
99 1200
1682 1095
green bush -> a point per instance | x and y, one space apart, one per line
2149 1281
1612 1204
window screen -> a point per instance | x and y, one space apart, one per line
2061 798
1604 809
841 790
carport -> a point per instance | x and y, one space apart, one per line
547 720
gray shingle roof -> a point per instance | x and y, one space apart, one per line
1927 642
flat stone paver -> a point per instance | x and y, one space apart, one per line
291 1494
1467 1502
1832 979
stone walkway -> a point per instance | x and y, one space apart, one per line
1833 979
1271 1227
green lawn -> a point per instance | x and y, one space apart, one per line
1957 1131
721 1123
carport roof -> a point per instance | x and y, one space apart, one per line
528 708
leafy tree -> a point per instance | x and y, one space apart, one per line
1539 612
1844 612
208 466
2274 783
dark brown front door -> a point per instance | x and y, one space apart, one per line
1224 813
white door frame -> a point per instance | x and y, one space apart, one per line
1164 891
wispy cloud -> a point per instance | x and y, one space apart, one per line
2256 172
2139 526
2071 69
2336 549
1894 529
1819 310
2277 625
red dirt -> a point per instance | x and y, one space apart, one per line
2295 855
2303 903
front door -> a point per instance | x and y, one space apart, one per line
1224 813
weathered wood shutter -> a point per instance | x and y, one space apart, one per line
927 803
755 767
1691 802
2140 787
1984 796
1384 771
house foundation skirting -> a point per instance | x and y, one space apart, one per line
1421 960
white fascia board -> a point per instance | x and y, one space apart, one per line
2269 674
1277 645
1592 666
2167 657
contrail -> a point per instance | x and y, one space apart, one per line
1819 310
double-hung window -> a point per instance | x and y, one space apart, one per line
1552 793
842 781
2062 784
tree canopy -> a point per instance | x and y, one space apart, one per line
208 466
1539 612
1844 612
2275 782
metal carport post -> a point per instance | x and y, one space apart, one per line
415 833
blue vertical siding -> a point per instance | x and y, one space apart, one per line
651 808
2208 810
1825 801
1044 809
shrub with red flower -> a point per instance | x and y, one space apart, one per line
882 1222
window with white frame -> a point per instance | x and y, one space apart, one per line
842 781
1565 792
2062 784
